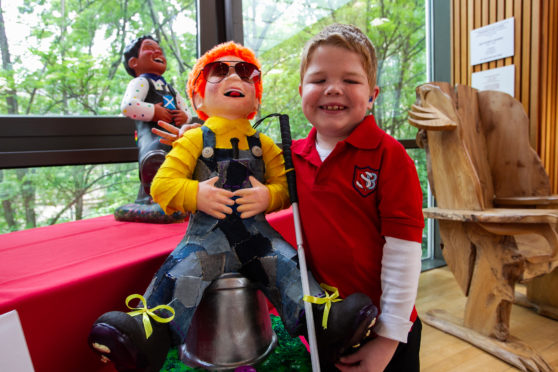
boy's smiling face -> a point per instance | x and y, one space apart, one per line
232 98
150 59
335 92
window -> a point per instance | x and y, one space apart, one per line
64 58
278 30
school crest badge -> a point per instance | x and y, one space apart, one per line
365 180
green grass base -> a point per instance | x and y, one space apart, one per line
289 355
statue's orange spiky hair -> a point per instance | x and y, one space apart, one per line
197 82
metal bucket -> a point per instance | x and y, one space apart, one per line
231 327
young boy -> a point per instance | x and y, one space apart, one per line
360 182
227 175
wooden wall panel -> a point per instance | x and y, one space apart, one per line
535 61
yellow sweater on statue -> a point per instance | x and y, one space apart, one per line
175 190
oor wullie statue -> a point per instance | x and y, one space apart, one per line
227 174
148 99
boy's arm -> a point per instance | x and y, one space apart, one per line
400 208
401 264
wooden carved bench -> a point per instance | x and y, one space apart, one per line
494 212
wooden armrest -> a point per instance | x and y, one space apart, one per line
526 201
494 215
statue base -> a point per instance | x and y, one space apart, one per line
148 213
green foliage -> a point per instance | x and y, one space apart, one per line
73 66
397 30
66 193
73 63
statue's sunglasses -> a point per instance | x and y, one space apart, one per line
215 72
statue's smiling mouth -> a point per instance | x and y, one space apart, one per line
234 93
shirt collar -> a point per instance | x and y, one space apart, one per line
154 77
367 136
221 125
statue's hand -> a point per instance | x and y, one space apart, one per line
253 200
161 113
179 117
213 200
187 127
169 135
172 133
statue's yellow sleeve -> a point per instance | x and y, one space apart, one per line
173 188
275 178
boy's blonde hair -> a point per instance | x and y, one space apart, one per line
345 36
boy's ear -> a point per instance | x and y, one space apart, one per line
300 89
373 95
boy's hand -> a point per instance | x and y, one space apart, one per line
161 113
253 200
172 133
373 356
213 200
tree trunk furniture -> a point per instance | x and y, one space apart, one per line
498 221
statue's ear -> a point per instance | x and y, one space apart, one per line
133 63
198 101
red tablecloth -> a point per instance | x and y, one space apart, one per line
61 278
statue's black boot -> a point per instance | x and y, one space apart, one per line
121 339
148 167
349 323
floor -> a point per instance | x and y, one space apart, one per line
441 352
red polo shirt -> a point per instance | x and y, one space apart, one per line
366 189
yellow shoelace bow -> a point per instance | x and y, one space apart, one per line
146 313
327 300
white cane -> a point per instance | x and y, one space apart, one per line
291 182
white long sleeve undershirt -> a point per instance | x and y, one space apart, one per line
401 265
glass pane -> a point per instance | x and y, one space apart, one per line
277 31
65 56
43 196
419 157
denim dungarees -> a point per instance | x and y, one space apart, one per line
212 247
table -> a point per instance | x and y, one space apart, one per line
61 278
